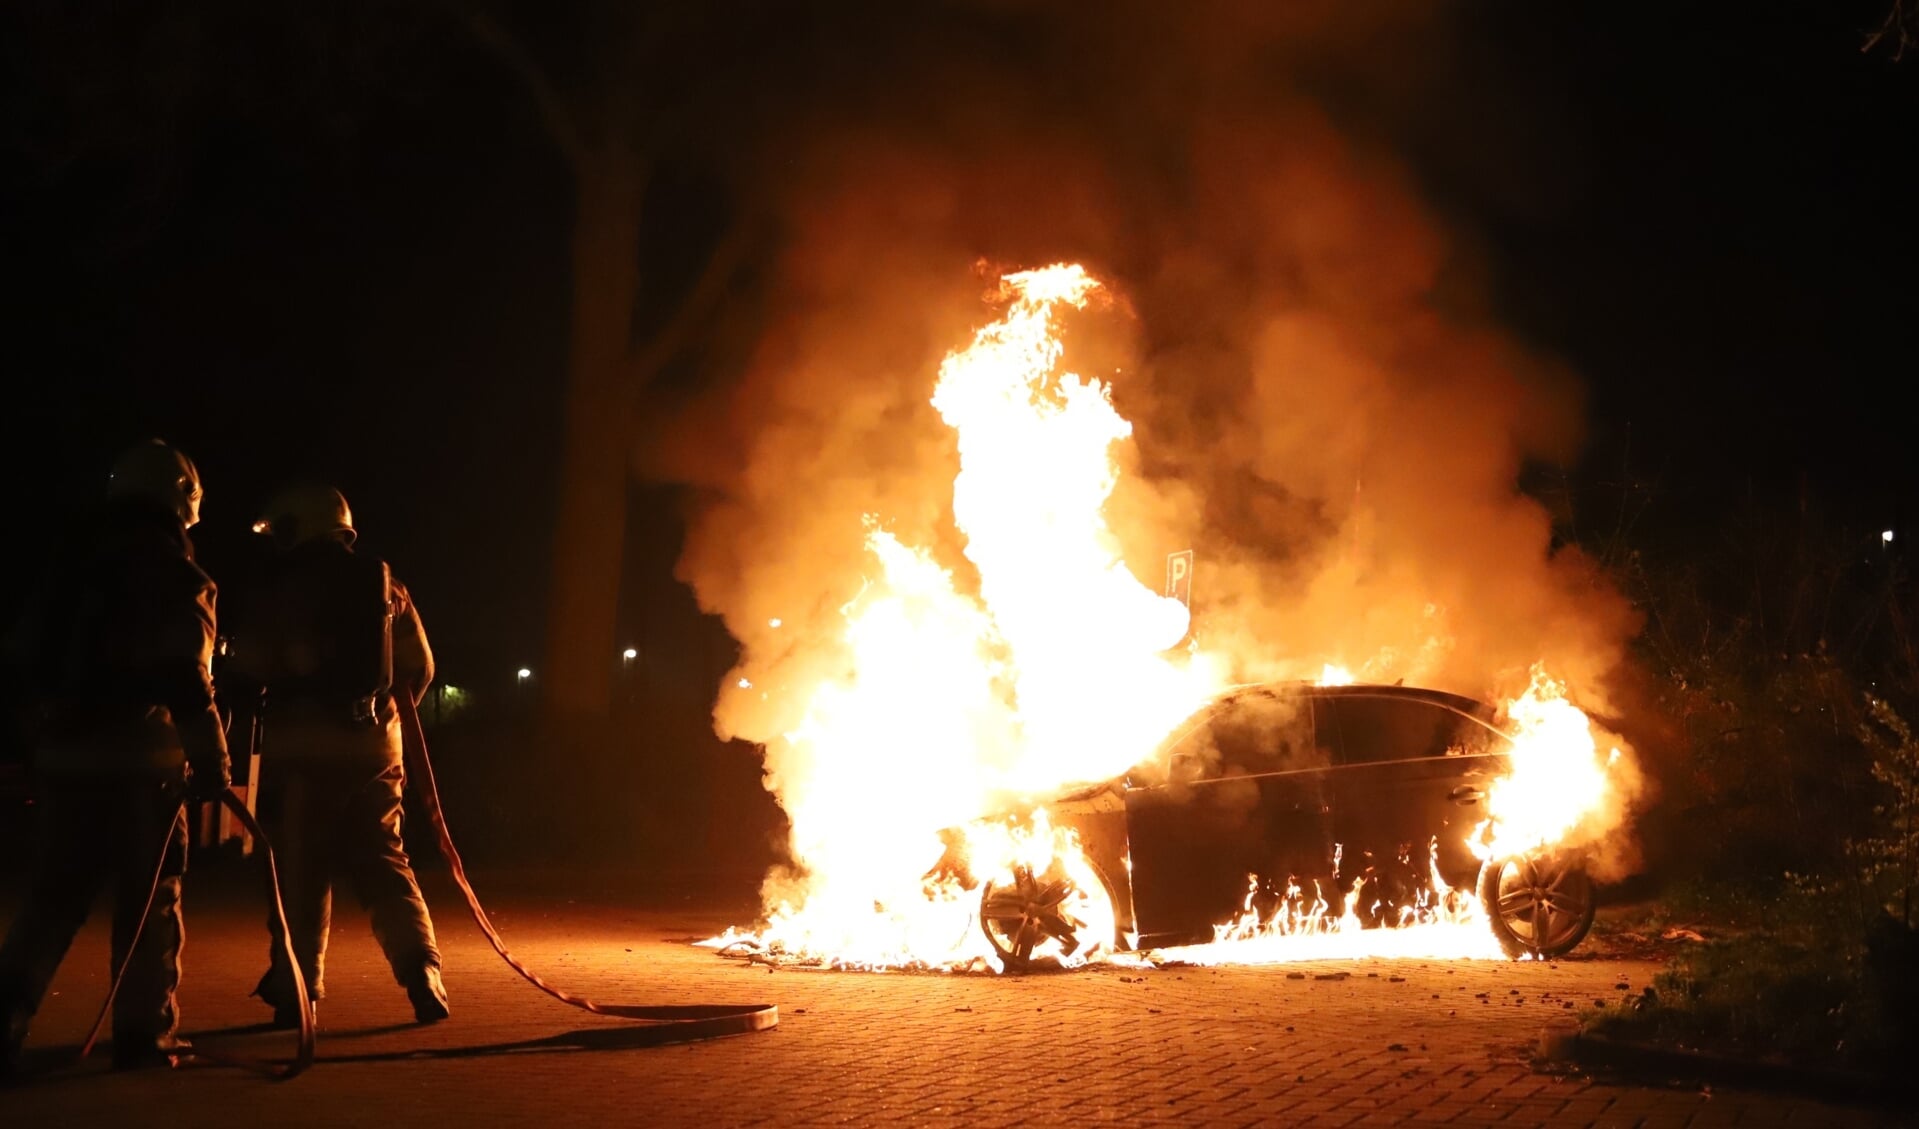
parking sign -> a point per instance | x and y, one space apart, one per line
1179 576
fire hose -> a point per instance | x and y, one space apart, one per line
683 1022
303 1058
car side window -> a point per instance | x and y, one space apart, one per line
1364 730
1249 736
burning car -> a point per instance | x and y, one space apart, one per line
1289 808
921 727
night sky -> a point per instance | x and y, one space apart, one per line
1709 217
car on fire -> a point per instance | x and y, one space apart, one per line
1295 791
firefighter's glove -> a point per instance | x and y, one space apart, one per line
207 780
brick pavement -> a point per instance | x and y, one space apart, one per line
1394 1043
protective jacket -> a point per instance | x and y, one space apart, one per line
331 636
117 652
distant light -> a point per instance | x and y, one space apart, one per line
745 685
1886 536
774 622
629 654
263 526
523 674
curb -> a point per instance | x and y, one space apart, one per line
1647 1061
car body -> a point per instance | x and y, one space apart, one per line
1301 786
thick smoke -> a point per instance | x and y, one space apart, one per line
1321 408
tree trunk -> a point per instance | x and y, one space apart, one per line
590 533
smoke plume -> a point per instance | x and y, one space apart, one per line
1322 408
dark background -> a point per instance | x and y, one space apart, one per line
1708 215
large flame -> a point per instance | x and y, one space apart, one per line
954 705
956 702
1561 790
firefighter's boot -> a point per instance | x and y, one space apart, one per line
144 1053
275 990
428 995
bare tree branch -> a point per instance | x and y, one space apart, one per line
702 298
562 125
1900 29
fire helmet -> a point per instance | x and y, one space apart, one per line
157 472
304 513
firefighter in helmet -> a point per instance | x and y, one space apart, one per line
322 647
116 650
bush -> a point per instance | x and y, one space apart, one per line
1886 862
1830 976
1813 995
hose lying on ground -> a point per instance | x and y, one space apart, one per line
685 1021
679 1021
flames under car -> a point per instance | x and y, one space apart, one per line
1281 796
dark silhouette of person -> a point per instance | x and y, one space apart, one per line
116 651
320 648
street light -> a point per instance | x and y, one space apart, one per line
523 674
1886 537
629 654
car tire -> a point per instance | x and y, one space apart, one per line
1019 916
1539 906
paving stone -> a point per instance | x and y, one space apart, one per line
857 1048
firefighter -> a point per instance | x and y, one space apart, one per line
117 651
323 646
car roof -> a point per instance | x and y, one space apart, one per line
1480 711
1442 698
1457 703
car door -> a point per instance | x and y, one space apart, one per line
1408 772
1246 796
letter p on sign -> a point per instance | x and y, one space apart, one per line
1179 577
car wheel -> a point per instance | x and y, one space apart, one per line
1538 905
1034 917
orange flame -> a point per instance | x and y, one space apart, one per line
951 706
1444 923
1561 790
1333 675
